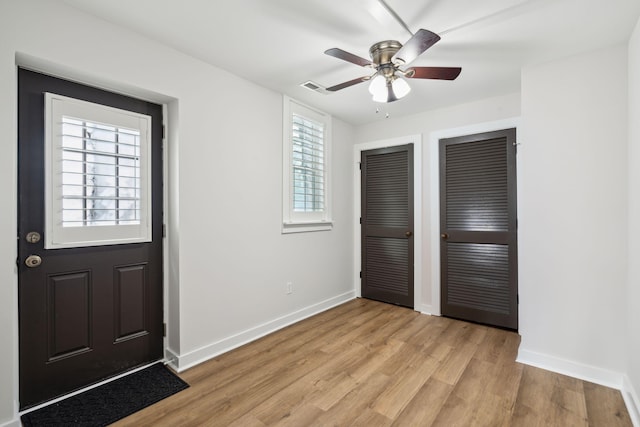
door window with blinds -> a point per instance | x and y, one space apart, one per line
306 190
97 174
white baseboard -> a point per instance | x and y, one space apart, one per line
12 423
192 358
589 373
631 400
428 309
172 358
571 368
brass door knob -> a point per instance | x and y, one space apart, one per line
33 261
408 234
444 236
33 237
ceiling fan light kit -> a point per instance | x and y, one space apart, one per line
388 89
388 83
400 87
378 84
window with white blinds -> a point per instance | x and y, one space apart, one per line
307 144
97 174
308 164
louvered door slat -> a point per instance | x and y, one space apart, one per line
386 190
479 276
387 265
476 193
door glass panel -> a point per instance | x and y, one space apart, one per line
100 174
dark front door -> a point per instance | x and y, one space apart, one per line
387 224
86 313
478 226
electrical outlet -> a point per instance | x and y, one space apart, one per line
289 288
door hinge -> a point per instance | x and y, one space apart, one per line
360 166
163 132
164 230
518 299
164 329
361 274
360 220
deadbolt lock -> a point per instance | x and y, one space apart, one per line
33 237
33 261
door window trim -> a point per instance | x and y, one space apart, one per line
56 235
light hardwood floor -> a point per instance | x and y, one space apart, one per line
372 364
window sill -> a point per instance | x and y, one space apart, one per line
305 227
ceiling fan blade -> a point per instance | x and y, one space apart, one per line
349 57
349 83
439 73
421 41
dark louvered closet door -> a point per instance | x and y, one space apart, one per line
387 225
478 226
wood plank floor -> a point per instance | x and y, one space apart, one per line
366 363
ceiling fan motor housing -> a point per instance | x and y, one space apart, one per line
382 52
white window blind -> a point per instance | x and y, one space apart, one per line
306 170
97 174
100 174
308 164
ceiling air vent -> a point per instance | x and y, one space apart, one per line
314 87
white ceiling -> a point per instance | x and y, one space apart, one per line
279 44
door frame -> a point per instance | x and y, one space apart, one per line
170 123
416 141
434 174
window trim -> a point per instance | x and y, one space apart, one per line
298 222
58 237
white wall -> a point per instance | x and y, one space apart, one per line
633 290
572 193
228 261
426 123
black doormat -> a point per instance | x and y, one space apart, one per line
110 402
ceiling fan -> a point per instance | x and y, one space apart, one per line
387 83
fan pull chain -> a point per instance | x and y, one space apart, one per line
386 115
